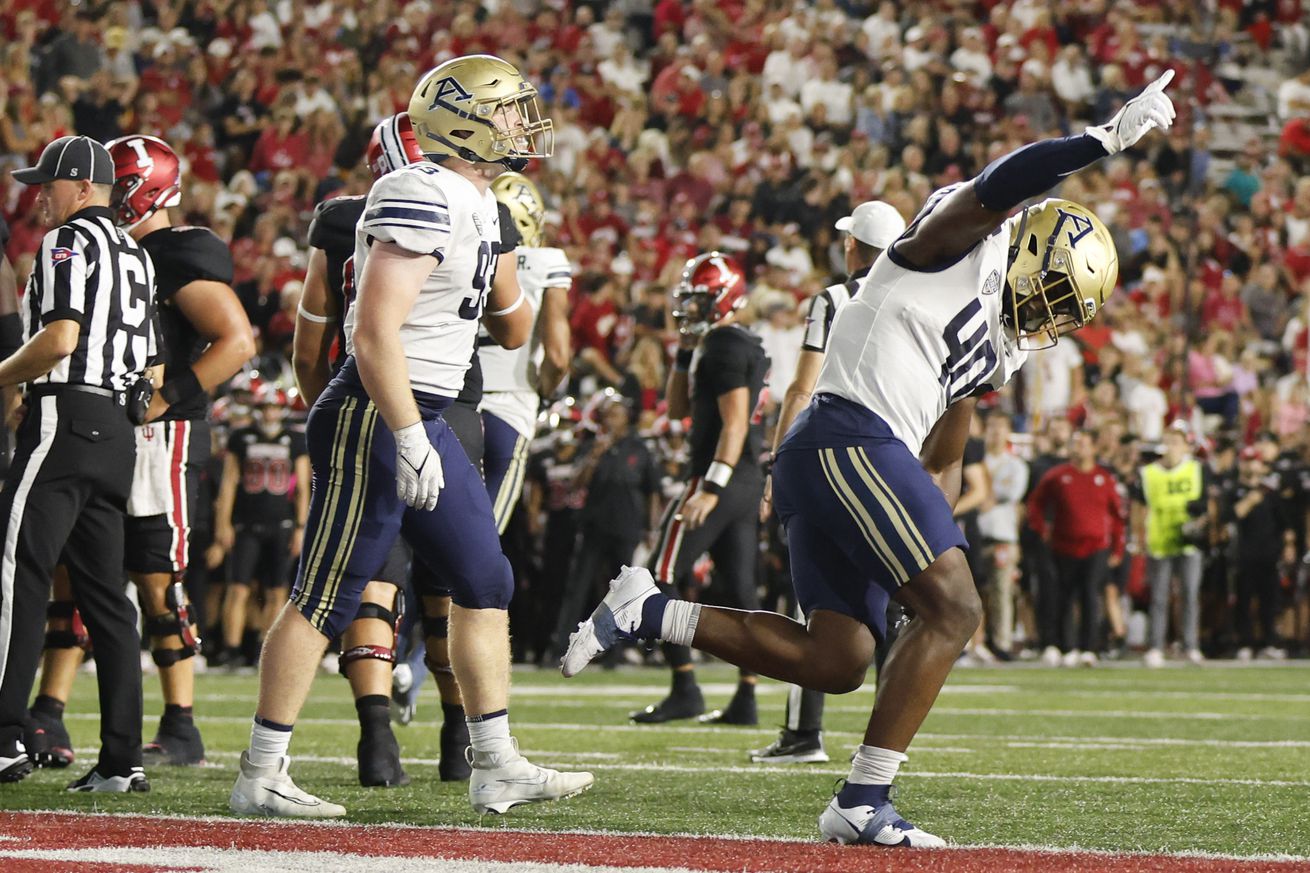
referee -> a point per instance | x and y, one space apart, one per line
89 329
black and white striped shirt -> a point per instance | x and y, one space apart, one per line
91 272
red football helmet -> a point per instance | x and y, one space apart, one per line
147 175
713 286
392 145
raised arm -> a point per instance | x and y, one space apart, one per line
973 210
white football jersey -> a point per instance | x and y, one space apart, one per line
509 376
429 210
911 343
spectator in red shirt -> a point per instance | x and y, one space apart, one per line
1085 532
280 147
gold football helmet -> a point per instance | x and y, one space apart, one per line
525 205
1063 266
480 109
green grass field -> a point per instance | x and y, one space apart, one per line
1213 759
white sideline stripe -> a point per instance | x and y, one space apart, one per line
213 860
791 770
294 824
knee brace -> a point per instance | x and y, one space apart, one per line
177 621
72 637
436 627
371 652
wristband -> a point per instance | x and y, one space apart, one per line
682 360
508 309
311 317
182 387
716 477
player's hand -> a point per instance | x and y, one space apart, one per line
766 502
224 536
1115 561
214 555
14 417
1149 110
419 477
158 406
297 542
697 508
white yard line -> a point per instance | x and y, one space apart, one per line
789 770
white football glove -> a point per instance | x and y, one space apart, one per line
1150 109
419 477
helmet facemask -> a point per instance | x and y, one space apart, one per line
509 130
692 309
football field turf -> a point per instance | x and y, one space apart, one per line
1181 760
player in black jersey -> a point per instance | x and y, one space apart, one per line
718 377
206 339
260 517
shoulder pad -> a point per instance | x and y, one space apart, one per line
333 224
191 254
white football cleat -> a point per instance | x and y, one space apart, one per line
269 791
616 618
500 782
1153 659
879 825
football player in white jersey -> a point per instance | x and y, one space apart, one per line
870 229
515 380
867 476
384 458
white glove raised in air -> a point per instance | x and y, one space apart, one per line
1150 109
419 477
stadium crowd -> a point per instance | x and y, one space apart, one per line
751 126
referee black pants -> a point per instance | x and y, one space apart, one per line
66 492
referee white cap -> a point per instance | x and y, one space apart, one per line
874 223
70 157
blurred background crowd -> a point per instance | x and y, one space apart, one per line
750 126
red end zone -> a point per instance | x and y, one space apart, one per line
49 842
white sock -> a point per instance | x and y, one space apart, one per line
874 766
268 744
490 733
679 623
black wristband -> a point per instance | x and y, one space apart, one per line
182 387
711 487
682 360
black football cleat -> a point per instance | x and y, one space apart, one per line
793 747
453 766
47 741
116 783
177 743
679 705
740 711
379 759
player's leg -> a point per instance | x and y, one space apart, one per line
458 541
1096 569
505 465
157 552
801 739
864 522
735 551
353 458
66 642
434 601
675 554
275 577
368 651
239 600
